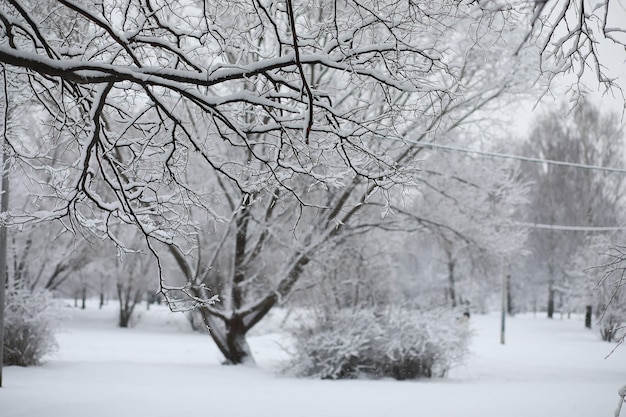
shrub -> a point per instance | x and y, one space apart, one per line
29 326
396 343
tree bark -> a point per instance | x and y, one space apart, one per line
229 336
238 348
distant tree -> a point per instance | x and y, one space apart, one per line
134 275
46 255
475 200
453 253
470 240
571 196
351 273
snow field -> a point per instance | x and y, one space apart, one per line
161 368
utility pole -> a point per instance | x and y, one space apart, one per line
505 279
4 206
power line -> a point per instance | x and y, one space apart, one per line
516 157
570 228
540 161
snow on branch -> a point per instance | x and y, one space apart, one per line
574 38
179 86
165 117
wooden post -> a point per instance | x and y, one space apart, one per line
505 279
551 297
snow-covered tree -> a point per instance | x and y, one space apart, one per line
134 90
580 38
475 199
257 256
469 201
264 128
571 196
354 272
135 277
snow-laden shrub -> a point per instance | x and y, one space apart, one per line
29 327
397 343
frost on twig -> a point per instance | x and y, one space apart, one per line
574 38
185 298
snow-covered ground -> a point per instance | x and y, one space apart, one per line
161 368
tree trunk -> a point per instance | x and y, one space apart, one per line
125 311
124 319
451 288
228 327
550 299
229 336
588 315
84 298
238 348
127 301
232 342
509 296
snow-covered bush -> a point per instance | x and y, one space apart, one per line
29 327
397 343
